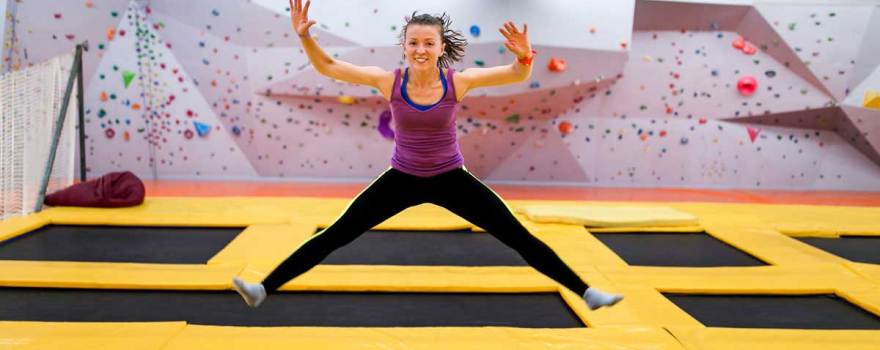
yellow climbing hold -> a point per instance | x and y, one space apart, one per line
872 99
346 99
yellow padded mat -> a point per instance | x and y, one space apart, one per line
87 336
644 320
459 338
772 339
608 216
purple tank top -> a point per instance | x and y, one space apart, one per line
425 142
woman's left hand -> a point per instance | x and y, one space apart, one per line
517 42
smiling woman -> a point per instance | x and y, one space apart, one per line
431 39
427 165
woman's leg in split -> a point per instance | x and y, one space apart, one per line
466 196
382 199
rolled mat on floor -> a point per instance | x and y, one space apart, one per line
608 216
113 190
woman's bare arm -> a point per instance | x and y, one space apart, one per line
328 66
518 44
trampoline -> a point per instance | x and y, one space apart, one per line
329 309
426 248
865 249
163 245
775 311
675 249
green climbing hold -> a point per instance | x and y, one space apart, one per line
127 77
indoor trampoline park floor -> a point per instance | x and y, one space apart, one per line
700 270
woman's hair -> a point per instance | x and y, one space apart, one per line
454 40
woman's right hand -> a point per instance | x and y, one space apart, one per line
299 17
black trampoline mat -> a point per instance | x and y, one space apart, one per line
164 245
675 249
528 310
865 249
426 248
771 311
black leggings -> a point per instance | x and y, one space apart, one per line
456 190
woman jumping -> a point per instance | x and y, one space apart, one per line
427 165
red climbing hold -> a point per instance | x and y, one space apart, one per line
739 43
565 128
753 133
747 86
556 65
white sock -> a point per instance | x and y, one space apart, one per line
596 298
253 293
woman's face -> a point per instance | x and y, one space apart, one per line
423 46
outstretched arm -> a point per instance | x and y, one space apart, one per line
323 63
518 43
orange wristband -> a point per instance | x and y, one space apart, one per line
527 60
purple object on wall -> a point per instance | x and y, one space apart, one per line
385 125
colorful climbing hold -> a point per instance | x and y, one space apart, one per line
753 133
565 128
201 128
556 65
744 46
345 99
127 77
739 43
747 85
872 99
475 30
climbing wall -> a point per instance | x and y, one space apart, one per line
638 93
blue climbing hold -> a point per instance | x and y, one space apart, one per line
201 128
475 30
